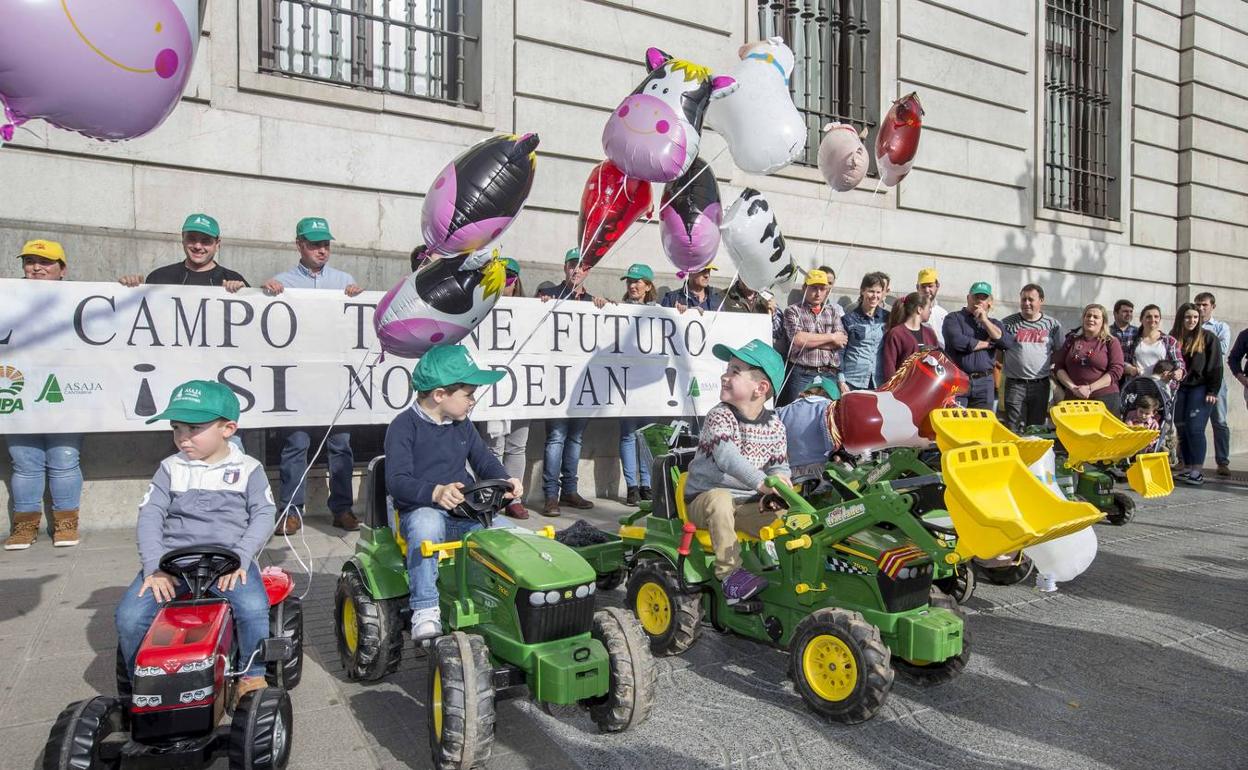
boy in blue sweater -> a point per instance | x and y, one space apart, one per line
209 493
427 446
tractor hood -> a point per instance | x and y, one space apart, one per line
533 561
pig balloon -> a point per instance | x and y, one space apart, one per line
655 132
764 130
690 218
443 301
754 242
843 159
108 70
897 142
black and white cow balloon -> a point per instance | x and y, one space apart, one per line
754 241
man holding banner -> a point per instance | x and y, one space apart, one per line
201 240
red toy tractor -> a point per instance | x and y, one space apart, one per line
170 708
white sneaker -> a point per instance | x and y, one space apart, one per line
426 624
1045 583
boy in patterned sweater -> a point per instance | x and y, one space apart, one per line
742 443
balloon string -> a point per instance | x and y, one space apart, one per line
823 224
858 234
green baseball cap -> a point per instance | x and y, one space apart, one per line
573 253
756 353
981 287
511 265
827 386
445 365
639 272
200 401
313 229
201 223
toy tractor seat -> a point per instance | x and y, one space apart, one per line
378 512
703 536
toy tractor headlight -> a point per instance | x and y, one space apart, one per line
537 599
198 665
582 592
592 586
552 597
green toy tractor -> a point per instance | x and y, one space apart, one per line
519 610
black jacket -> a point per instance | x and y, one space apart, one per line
1204 368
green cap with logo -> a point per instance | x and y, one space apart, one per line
573 253
201 223
313 229
511 265
639 272
829 387
200 401
981 287
445 365
756 353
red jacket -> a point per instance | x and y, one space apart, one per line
899 345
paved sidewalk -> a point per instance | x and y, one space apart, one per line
1141 662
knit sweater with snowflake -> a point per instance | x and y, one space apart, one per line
737 453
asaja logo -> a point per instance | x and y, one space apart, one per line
188 394
54 392
11 383
51 392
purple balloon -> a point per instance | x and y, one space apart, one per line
689 222
109 70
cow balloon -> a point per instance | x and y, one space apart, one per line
655 132
477 196
897 142
108 70
752 236
690 218
441 302
763 128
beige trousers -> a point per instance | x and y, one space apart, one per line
722 516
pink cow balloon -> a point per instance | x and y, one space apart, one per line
109 70
655 132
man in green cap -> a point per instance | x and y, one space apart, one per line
313 240
573 284
427 448
201 240
972 340
742 443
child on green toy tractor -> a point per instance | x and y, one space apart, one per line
742 443
427 447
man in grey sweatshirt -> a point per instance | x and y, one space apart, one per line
1028 364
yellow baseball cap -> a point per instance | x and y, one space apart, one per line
928 275
46 249
817 278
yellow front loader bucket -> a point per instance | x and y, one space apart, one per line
1150 475
1091 434
998 506
969 427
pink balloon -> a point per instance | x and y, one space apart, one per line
109 70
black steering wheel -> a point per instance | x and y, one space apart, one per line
200 566
482 500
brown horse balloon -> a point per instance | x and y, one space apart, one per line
898 139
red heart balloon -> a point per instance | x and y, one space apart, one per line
898 139
610 205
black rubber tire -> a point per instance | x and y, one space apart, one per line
262 730
124 688
75 738
633 673
611 580
960 586
379 630
686 609
286 620
1123 510
930 674
461 662
1013 574
871 659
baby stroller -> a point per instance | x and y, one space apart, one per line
1167 438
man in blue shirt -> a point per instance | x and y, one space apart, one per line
1205 303
313 239
696 293
972 340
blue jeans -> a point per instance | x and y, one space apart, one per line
53 454
800 378
295 464
1191 413
438 526
628 452
563 454
249 603
1221 431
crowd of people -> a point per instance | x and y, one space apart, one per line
1018 366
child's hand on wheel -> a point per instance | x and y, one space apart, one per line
448 495
161 586
227 582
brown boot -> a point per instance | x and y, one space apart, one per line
64 528
25 531
248 684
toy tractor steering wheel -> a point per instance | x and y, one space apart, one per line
482 500
200 566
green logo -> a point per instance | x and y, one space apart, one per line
11 383
51 392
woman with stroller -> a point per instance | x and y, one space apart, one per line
1152 345
1198 393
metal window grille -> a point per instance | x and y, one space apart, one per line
1082 67
429 49
835 73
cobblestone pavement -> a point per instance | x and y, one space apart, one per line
1141 662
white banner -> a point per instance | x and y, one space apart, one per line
90 357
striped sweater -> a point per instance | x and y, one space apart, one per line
736 453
